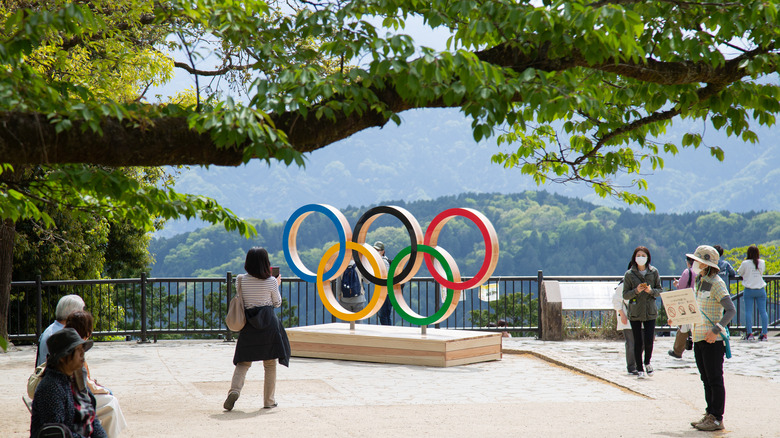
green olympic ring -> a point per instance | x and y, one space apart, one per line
399 303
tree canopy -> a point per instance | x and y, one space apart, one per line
578 90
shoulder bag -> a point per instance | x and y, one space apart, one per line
35 379
724 335
236 318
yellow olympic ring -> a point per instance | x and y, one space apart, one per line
325 292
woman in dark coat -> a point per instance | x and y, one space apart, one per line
263 337
63 399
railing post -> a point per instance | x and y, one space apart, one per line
39 305
539 280
143 339
437 301
228 288
333 284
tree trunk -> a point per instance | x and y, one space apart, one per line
7 237
7 233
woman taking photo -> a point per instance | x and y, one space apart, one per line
752 272
263 336
708 347
63 399
641 286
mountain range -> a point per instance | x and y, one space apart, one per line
433 153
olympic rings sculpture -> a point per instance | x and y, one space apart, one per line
438 261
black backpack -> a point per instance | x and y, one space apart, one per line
350 282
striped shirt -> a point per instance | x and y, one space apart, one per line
256 292
709 291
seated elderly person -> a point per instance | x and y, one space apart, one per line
65 306
108 410
63 396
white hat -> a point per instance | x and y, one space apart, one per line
707 255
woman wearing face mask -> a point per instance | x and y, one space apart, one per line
708 347
641 286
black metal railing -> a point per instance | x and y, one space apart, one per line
148 307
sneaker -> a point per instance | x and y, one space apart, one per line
749 337
710 424
700 420
640 374
272 406
230 401
671 353
649 369
633 372
762 338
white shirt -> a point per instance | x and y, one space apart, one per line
752 278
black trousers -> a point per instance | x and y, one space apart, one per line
643 342
709 360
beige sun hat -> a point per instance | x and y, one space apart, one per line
707 255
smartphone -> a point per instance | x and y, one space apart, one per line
275 271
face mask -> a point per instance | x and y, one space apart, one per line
641 261
695 268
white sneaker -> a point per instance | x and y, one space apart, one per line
640 375
649 369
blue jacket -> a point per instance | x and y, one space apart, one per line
726 271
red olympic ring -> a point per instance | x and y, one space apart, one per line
488 235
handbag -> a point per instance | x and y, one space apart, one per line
236 318
725 335
54 430
35 379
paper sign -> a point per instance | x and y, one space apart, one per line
443 294
488 292
587 295
681 306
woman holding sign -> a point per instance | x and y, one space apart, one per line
709 347
641 286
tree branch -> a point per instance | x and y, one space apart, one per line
144 19
219 72
27 138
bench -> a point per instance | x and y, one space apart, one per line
557 297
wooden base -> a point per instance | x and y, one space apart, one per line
391 344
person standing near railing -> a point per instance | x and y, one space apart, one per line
709 346
752 272
641 287
623 325
263 337
684 331
725 271
387 307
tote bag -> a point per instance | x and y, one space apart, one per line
236 319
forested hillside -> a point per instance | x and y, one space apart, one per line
433 154
536 230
